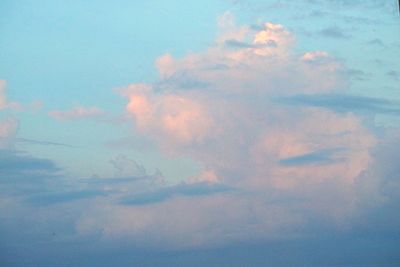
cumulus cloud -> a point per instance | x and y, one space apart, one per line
232 123
76 113
268 167
178 117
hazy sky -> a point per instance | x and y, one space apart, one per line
199 133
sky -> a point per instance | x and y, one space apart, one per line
201 133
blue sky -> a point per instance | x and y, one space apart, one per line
209 133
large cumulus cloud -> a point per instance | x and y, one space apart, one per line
285 167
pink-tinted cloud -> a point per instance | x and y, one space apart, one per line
76 113
217 108
177 117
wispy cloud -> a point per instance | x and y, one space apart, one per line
334 32
394 74
40 142
321 157
344 103
63 197
19 165
184 189
376 42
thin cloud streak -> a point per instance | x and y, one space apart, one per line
344 103
166 193
40 142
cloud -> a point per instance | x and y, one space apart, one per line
4 104
15 162
283 151
127 167
285 157
42 183
15 106
40 142
3 99
23 176
315 57
376 42
8 132
177 117
18 165
334 32
63 197
357 12
76 113
344 103
114 180
321 157
19 171
357 3
163 194
393 74
244 139
357 74
237 44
